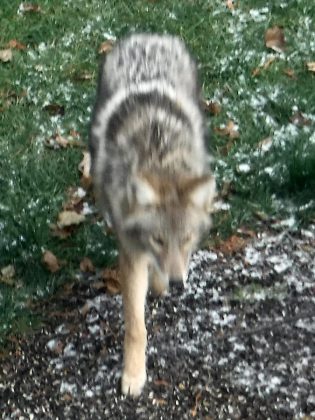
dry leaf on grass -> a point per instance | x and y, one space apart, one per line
54 109
7 275
58 141
274 39
232 245
16 45
264 66
6 55
230 130
83 76
86 265
214 108
111 280
29 8
69 217
106 47
290 73
311 66
299 119
230 4
51 261
85 169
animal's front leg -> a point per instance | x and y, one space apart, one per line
134 274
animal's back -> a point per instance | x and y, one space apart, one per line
146 57
147 118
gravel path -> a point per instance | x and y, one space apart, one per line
239 343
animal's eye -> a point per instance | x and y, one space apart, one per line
157 241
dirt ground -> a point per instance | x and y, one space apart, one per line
238 343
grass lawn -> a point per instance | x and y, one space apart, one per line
263 138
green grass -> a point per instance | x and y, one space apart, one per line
62 44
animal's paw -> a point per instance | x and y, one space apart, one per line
133 384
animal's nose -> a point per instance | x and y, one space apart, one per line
177 284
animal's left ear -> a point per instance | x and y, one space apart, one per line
201 192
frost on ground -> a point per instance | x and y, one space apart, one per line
237 344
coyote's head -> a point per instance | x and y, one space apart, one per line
167 217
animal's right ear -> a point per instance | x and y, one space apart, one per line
142 193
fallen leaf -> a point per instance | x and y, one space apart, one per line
69 218
256 71
85 168
230 130
299 119
51 261
197 403
16 45
265 144
274 39
6 55
29 7
85 308
263 66
290 73
54 109
7 275
111 279
83 76
232 245
106 47
86 265
61 233
160 401
161 382
58 141
214 108
311 66
230 4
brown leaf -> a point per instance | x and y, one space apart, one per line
86 265
229 130
311 66
106 47
16 45
58 141
54 109
230 4
161 382
85 168
7 275
69 218
111 279
264 66
51 262
29 8
214 108
160 401
83 76
6 55
85 308
232 245
274 39
290 73
61 233
197 403
299 119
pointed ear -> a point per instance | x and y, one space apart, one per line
202 191
142 192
